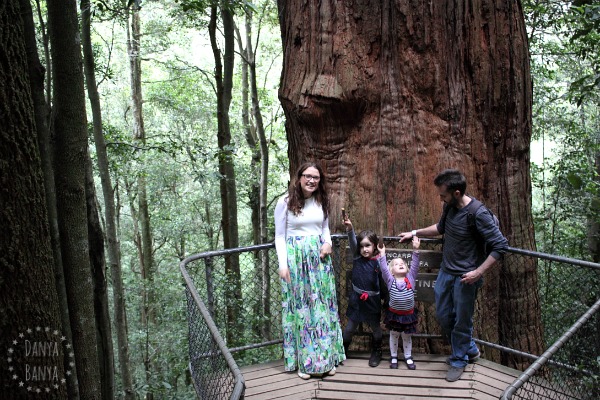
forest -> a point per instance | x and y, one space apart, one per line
137 133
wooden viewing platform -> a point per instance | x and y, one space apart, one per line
354 379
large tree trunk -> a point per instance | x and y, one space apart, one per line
113 248
28 298
387 94
70 127
42 116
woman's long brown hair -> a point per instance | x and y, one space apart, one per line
296 197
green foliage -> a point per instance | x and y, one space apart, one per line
584 18
178 160
565 180
566 117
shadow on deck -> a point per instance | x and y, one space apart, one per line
356 380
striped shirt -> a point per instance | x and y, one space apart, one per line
398 292
402 299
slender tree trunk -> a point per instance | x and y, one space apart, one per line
96 236
70 126
28 298
97 260
147 266
263 176
113 246
387 94
251 140
42 118
254 191
224 84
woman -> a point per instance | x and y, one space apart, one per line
312 336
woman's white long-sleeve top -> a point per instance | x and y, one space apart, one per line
310 222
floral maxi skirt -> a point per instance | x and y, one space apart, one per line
312 335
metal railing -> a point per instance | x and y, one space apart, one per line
215 373
234 318
570 367
535 384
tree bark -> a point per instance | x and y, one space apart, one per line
387 94
70 127
113 247
28 298
42 117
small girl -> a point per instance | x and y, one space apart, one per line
401 316
364 302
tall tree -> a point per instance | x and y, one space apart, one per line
224 84
28 298
113 246
257 140
147 267
42 115
71 154
101 307
387 94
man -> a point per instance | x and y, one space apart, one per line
464 263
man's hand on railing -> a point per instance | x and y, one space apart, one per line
285 274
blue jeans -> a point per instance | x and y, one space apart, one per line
455 306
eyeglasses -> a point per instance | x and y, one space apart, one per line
309 177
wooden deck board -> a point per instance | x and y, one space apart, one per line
398 389
292 385
354 379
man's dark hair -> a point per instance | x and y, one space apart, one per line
453 179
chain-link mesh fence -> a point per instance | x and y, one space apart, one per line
214 372
569 296
248 314
242 293
564 371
